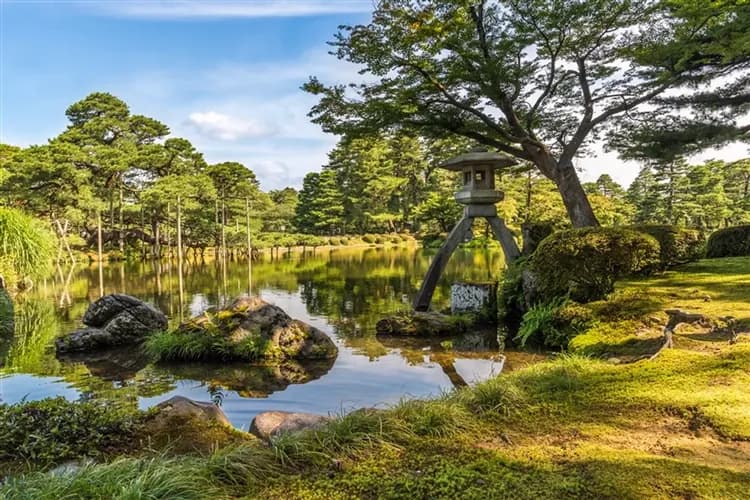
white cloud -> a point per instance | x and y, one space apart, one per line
185 9
226 127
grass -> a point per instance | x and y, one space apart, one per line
576 426
26 245
208 344
126 478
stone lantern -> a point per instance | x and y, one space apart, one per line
478 195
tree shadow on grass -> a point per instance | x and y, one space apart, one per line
628 350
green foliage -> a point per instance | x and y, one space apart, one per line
585 263
729 242
704 196
320 209
708 41
26 245
677 245
490 72
539 321
52 430
554 323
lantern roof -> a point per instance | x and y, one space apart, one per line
476 158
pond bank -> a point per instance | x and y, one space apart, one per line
572 427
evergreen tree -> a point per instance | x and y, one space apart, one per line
321 205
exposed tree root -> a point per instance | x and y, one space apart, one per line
726 325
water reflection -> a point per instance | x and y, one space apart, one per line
342 291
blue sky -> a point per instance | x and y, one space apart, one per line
223 74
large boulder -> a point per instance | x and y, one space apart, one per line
182 426
113 320
249 329
272 423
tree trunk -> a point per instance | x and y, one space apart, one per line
120 233
157 239
169 240
574 197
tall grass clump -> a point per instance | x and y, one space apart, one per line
499 395
158 477
242 466
442 417
26 246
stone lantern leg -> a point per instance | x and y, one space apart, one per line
479 196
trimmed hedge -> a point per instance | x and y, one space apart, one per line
729 242
677 245
585 263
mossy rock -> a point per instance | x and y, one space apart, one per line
249 329
423 324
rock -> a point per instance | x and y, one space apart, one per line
182 408
420 324
254 329
66 468
113 320
271 423
471 297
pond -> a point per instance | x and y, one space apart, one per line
342 291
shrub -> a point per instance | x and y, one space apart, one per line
533 234
379 240
677 245
369 238
56 429
585 263
729 242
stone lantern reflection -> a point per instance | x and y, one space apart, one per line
478 195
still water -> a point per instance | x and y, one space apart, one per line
344 292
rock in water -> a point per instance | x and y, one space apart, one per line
252 329
420 324
113 320
272 423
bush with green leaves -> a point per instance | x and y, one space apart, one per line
729 242
584 263
677 245
55 429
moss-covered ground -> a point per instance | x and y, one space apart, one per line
587 424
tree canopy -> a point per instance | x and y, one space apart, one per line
536 79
